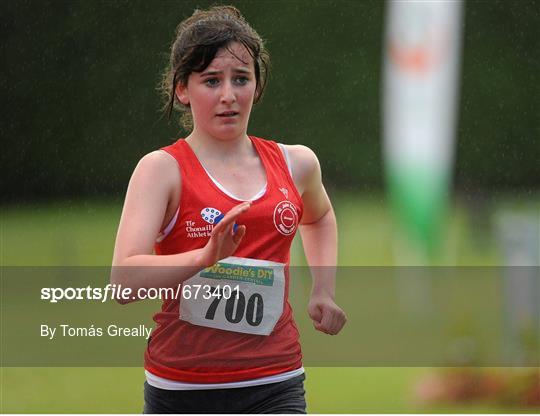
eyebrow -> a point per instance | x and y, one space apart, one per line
238 70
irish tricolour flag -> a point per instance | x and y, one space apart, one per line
421 68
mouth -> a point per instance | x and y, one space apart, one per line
228 114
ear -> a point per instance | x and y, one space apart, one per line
182 95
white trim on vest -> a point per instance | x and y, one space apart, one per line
259 194
166 384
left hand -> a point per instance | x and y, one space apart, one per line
327 317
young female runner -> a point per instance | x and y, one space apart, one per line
218 211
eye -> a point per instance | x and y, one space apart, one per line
211 82
241 80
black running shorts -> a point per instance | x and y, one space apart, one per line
283 397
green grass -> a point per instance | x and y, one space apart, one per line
82 233
59 234
119 390
75 233
329 390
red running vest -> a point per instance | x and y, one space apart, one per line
181 351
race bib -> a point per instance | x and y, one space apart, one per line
236 294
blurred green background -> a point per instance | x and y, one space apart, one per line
81 108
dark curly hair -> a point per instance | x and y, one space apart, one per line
198 39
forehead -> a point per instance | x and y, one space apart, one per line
234 54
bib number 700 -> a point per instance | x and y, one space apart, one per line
236 308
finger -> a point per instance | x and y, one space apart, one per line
330 325
341 322
334 321
232 228
229 229
327 320
338 321
232 215
240 232
320 327
315 313
240 208
317 325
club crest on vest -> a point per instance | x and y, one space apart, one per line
286 217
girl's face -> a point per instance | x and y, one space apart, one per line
222 95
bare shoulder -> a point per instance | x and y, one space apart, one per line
158 159
305 165
156 179
157 165
302 155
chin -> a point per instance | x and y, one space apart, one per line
229 133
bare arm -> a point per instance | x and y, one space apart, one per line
319 237
150 189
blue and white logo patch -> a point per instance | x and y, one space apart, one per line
211 215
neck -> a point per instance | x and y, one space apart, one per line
207 147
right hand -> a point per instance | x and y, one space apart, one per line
224 241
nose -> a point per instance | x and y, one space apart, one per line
227 93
